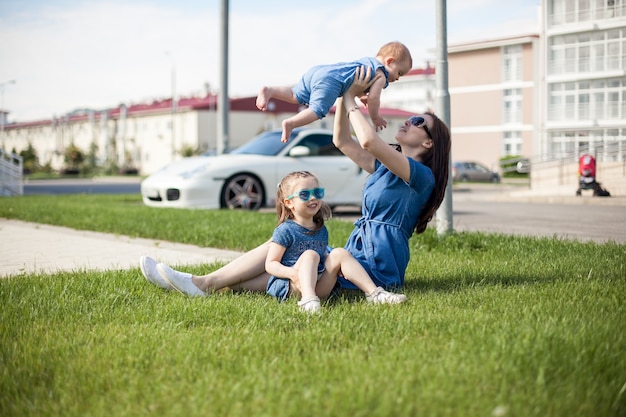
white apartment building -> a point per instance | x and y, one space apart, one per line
585 76
583 100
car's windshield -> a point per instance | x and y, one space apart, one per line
267 143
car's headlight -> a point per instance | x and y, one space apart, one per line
193 172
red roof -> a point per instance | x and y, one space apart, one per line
422 71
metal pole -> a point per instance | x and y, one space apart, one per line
173 109
442 108
223 105
173 106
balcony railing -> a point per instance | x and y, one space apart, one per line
11 169
586 15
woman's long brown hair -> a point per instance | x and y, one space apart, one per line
438 160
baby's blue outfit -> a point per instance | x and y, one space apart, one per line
321 85
380 239
296 239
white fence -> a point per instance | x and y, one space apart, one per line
11 168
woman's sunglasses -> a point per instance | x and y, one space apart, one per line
306 195
419 121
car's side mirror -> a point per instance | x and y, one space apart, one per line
299 151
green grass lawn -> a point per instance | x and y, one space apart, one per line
494 326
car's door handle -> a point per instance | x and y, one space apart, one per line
349 167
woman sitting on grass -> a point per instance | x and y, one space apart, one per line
406 188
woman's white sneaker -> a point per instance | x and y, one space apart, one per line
380 296
149 271
181 281
311 305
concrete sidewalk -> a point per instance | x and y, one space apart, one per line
38 248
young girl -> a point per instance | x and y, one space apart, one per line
297 257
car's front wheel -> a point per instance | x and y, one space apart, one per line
243 191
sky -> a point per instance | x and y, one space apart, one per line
65 55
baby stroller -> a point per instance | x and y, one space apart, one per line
587 177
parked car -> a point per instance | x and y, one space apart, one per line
473 171
523 166
248 176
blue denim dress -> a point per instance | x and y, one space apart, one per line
380 239
296 239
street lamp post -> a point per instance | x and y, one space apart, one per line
442 104
3 113
223 108
173 109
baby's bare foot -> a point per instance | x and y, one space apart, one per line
263 98
287 128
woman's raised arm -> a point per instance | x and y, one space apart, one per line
342 138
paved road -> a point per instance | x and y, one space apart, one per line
574 221
506 209
121 185
510 210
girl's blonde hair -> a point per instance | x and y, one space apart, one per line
286 188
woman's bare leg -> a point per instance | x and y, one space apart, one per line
246 272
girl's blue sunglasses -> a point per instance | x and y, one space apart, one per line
419 121
305 195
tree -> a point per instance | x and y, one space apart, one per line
74 158
30 159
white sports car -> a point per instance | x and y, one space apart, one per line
247 177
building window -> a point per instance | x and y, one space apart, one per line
584 53
512 106
598 105
511 143
583 100
512 63
584 61
562 12
614 55
613 105
598 57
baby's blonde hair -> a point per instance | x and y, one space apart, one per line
396 50
286 188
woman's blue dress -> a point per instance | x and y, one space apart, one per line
389 214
